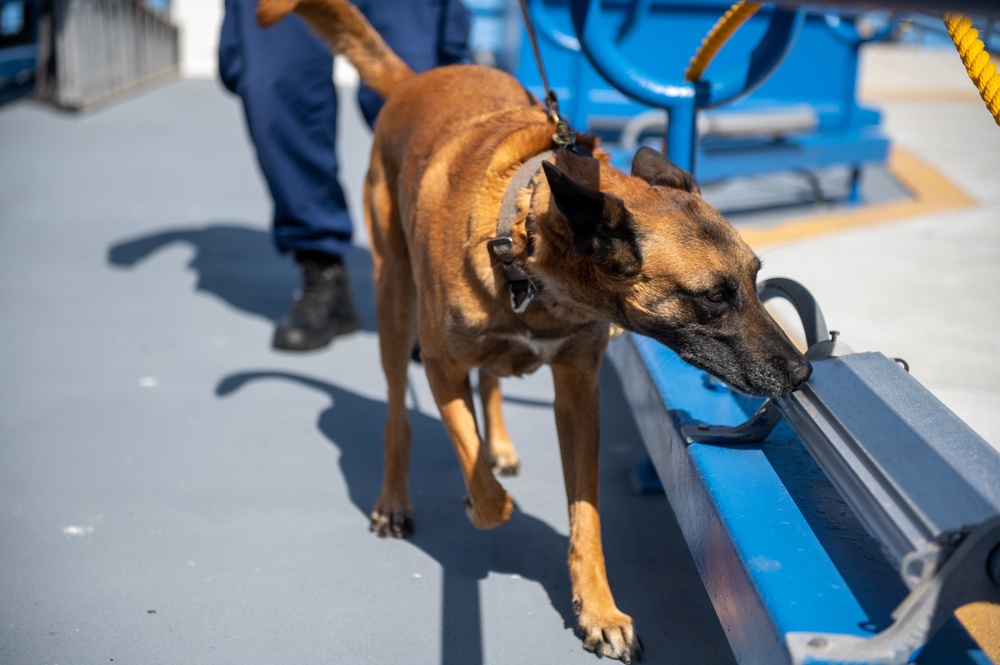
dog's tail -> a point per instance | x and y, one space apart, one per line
347 32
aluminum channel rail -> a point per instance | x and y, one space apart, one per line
920 481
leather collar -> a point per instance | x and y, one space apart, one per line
522 289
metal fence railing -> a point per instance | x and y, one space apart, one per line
101 48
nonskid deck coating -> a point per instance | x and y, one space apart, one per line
172 490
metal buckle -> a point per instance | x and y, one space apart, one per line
502 249
527 295
522 289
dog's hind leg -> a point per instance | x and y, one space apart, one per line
503 456
606 630
488 504
396 311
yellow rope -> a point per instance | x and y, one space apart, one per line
719 35
977 61
966 38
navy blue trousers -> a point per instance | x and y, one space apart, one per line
284 76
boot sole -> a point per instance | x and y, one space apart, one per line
313 342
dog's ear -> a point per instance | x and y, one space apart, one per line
600 225
657 170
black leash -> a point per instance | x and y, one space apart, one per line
521 288
564 136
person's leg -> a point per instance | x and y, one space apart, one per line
292 117
424 33
284 76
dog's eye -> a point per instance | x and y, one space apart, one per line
715 297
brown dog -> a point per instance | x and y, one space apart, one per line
587 245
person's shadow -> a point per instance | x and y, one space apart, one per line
525 546
239 265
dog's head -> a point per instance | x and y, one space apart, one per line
648 253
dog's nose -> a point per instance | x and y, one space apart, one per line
799 370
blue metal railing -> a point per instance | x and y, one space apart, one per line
680 98
617 66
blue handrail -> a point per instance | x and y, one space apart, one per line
547 29
607 58
681 99
729 85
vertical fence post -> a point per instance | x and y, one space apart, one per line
102 48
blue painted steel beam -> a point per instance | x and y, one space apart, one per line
777 548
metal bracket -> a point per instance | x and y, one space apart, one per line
754 430
808 309
967 576
879 436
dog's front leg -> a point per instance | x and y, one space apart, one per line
488 504
503 455
606 630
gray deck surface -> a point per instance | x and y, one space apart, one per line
174 491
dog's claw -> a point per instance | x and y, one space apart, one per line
503 465
391 525
617 641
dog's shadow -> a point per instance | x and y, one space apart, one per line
652 575
239 265
525 546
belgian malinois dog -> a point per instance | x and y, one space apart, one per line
580 245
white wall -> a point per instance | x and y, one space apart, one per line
199 22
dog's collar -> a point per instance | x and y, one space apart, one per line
522 289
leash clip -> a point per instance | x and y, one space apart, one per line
522 294
522 289
564 136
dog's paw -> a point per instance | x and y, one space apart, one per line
489 515
391 524
610 637
504 464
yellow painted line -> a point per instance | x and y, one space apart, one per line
982 620
920 95
931 192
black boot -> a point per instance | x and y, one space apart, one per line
325 308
